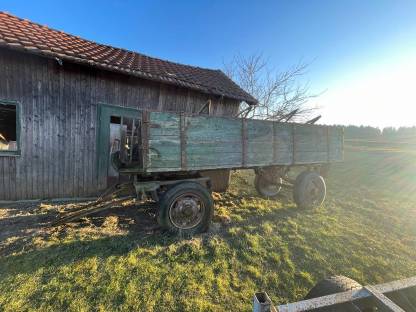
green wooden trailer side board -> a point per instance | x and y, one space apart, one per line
179 143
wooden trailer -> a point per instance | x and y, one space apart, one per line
163 154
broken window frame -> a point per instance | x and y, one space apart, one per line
18 125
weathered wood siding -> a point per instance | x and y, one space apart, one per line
59 121
178 142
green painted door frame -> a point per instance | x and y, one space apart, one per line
105 111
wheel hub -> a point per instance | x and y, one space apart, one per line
188 206
186 211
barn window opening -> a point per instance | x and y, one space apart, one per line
9 131
115 120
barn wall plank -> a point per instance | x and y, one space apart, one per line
5 89
87 135
79 135
67 135
2 161
37 148
27 126
60 162
19 170
49 178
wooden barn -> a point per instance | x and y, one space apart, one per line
57 89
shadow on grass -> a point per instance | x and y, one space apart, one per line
65 253
70 252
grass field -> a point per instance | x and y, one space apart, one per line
120 262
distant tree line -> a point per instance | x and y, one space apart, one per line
403 134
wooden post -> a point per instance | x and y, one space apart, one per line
145 139
122 146
293 143
244 140
274 143
182 121
132 141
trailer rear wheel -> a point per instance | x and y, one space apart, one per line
266 188
309 190
186 208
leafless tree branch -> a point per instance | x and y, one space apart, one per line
279 92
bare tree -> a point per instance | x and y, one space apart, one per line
280 94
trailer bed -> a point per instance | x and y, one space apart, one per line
179 142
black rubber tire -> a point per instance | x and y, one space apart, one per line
299 178
300 190
332 285
258 180
172 194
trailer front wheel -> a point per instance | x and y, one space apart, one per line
309 190
186 208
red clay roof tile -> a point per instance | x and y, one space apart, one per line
39 39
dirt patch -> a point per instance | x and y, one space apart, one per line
24 226
28 226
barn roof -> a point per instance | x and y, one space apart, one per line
34 38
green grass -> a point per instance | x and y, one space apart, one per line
366 230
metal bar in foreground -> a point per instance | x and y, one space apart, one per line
262 302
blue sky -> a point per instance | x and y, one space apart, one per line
363 52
